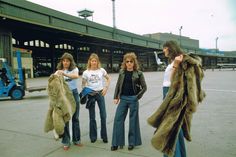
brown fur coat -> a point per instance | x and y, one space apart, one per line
61 106
177 108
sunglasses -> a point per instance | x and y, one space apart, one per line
129 61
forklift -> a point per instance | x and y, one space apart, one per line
9 86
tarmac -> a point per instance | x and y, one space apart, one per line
213 125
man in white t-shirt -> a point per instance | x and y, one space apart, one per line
68 69
97 79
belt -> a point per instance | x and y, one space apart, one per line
68 80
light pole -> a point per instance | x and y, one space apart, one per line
181 27
216 43
113 11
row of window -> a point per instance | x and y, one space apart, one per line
38 43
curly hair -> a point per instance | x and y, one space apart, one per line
70 58
93 56
174 49
133 57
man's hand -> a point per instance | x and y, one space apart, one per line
104 91
178 60
60 72
116 101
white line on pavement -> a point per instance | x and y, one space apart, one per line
220 90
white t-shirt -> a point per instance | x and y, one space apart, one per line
72 83
95 78
167 75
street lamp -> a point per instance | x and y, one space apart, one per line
181 27
216 43
113 11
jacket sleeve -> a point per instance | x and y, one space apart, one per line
117 89
143 85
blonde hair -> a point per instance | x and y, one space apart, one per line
70 58
133 57
93 56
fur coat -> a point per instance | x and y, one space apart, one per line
181 101
61 104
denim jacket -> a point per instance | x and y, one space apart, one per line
137 80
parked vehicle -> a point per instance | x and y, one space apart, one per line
9 86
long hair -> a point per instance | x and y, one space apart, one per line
93 56
133 57
70 58
174 49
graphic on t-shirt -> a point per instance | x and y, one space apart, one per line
94 78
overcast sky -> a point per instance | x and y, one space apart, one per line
204 20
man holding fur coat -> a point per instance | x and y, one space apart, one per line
67 71
181 93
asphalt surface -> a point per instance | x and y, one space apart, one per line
213 126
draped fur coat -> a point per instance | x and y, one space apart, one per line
61 104
181 101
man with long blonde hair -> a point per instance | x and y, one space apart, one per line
93 78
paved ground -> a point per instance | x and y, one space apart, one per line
213 127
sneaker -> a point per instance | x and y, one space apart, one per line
105 141
66 148
130 147
92 141
114 148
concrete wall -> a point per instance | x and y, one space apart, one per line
27 62
185 41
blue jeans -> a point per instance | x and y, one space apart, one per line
118 136
75 124
92 120
180 150
165 91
